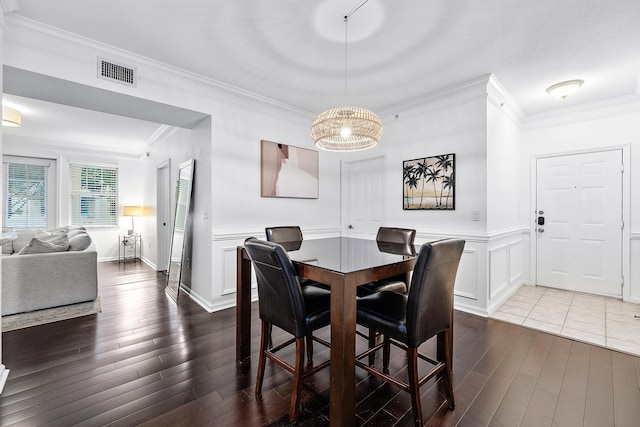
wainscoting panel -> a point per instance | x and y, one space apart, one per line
467 278
498 270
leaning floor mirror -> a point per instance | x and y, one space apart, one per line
179 268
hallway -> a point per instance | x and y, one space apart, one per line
594 319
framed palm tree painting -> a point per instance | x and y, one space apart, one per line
429 183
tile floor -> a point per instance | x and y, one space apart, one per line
594 319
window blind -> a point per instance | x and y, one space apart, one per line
93 195
25 196
181 204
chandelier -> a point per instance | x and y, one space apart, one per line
346 128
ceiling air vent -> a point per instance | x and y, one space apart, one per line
113 71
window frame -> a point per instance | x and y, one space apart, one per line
90 199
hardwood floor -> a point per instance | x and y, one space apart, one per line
145 361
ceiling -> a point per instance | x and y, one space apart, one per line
294 50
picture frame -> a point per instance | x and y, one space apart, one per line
288 172
428 183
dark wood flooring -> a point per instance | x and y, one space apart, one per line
144 360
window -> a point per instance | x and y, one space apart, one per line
27 202
93 195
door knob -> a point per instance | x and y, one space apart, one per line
350 227
540 230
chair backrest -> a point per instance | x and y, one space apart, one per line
284 234
430 301
404 236
280 299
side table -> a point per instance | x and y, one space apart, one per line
129 247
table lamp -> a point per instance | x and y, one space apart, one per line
132 211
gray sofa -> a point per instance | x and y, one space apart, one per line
33 281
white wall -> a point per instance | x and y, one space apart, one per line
130 191
182 145
596 129
239 120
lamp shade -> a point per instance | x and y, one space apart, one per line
346 129
11 117
133 211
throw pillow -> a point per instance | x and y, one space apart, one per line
60 229
79 242
25 236
46 244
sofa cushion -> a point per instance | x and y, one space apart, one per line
7 248
46 244
79 241
25 236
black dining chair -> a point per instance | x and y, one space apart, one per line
289 233
284 303
290 237
391 236
409 320
394 240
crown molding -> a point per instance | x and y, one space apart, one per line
626 104
498 96
64 147
153 72
456 94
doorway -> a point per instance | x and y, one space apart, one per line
364 201
579 222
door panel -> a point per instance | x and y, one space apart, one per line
365 197
579 247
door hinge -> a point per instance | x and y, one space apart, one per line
622 282
622 168
622 224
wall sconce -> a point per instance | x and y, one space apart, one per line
563 89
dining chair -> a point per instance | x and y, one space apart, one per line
290 237
289 233
409 320
391 236
284 303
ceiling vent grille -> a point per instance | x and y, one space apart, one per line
115 72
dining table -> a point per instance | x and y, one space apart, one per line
343 263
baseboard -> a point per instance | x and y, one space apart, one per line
470 309
4 374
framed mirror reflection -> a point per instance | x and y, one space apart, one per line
179 264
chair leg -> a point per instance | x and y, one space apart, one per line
447 377
269 340
297 380
386 355
264 337
309 349
414 388
372 343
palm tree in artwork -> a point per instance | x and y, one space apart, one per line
421 172
445 162
448 181
412 182
407 172
433 175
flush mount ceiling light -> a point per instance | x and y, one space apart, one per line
346 128
11 117
563 89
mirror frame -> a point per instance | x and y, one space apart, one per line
187 238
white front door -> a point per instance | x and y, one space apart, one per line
163 215
579 245
364 188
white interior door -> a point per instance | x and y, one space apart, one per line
163 215
579 246
364 196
